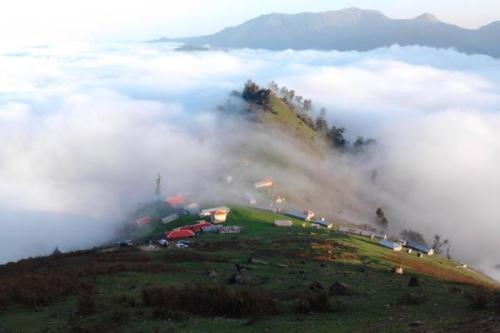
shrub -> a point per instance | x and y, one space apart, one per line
318 302
207 300
414 282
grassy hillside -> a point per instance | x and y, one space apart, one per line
281 116
288 288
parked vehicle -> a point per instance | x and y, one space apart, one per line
163 242
125 243
182 244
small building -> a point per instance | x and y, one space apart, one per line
420 247
211 211
169 218
143 221
267 183
196 227
366 233
309 214
179 234
379 235
279 199
211 228
324 223
232 229
390 245
305 215
175 201
283 223
192 208
344 230
218 217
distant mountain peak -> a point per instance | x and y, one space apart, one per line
426 17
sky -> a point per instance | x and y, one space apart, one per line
25 22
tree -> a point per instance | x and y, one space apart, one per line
254 94
337 137
413 236
381 219
307 105
158 186
361 143
438 244
273 86
321 125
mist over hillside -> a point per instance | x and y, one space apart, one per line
350 29
87 135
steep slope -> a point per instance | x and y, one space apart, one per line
349 29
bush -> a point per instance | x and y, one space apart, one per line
414 282
318 302
206 300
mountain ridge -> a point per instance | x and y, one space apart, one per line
350 29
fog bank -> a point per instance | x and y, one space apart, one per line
85 129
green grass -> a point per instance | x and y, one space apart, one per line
295 256
286 119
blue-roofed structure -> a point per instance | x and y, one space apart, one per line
420 247
390 245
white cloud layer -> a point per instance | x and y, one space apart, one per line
85 128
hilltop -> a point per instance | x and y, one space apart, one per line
349 29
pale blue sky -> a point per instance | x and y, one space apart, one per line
35 21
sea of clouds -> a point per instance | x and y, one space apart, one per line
85 129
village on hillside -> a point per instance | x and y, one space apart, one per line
212 220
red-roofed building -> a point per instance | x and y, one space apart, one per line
175 200
264 183
179 234
143 221
196 227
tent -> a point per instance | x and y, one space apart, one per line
178 234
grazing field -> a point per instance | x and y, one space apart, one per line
266 279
